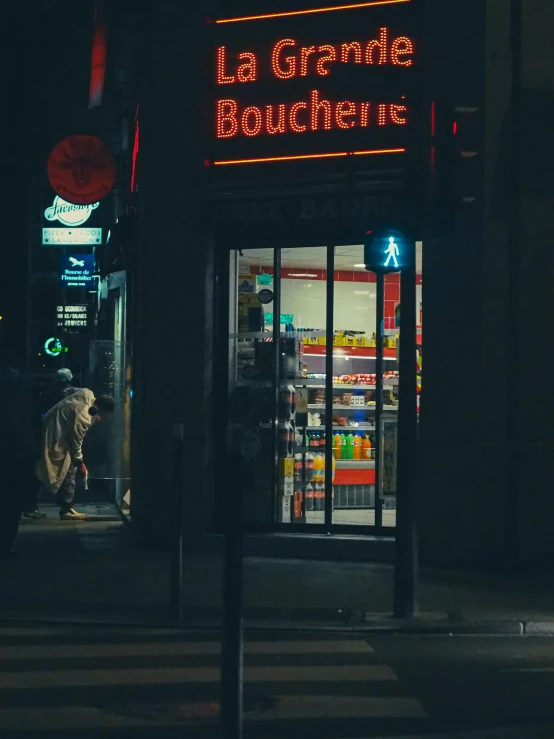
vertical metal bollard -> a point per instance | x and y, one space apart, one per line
379 354
177 479
406 560
232 635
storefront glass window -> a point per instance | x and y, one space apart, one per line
355 500
311 430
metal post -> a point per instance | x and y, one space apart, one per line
329 371
513 387
232 648
276 374
177 544
406 565
379 401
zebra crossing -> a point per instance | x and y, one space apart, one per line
71 681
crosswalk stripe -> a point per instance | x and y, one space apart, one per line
56 651
325 706
264 674
285 708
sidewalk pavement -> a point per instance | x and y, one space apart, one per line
90 571
545 731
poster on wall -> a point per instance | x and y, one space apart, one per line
66 224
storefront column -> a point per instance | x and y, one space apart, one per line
173 329
536 336
464 452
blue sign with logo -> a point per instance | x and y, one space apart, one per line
77 270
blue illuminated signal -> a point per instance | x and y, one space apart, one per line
386 251
393 252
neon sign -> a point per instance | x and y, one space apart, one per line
53 347
276 84
69 214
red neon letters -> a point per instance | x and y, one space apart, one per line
315 114
289 60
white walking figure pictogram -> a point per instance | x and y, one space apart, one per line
392 251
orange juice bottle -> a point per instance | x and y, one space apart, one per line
337 446
357 446
366 447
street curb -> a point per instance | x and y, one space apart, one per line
378 626
538 731
539 628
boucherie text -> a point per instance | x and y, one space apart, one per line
289 60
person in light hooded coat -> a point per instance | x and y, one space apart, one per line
64 428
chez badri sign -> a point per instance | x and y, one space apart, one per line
277 84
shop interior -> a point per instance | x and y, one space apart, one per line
288 485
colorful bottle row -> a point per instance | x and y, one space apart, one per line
352 446
315 497
315 467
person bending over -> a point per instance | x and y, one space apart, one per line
63 429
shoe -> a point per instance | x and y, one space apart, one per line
72 515
8 554
36 514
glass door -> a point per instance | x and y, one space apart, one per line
302 378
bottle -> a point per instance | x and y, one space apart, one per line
319 497
366 447
309 497
314 440
337 446
292 391
290 439
350 446
357 446
309 466
322 441
298 467
297 504
315 476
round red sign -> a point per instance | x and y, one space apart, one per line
81 169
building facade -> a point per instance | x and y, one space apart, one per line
215 239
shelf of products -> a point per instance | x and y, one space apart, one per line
303 454
369 407
348 351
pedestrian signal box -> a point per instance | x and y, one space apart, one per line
386 251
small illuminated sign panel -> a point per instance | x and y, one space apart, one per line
77 271
63 224
69 214
278 93
386 251
72 318
71 236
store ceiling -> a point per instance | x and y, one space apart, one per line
315 257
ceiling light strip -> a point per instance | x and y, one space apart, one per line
311 11
296 157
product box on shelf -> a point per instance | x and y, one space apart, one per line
285 508
287 467
288 484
